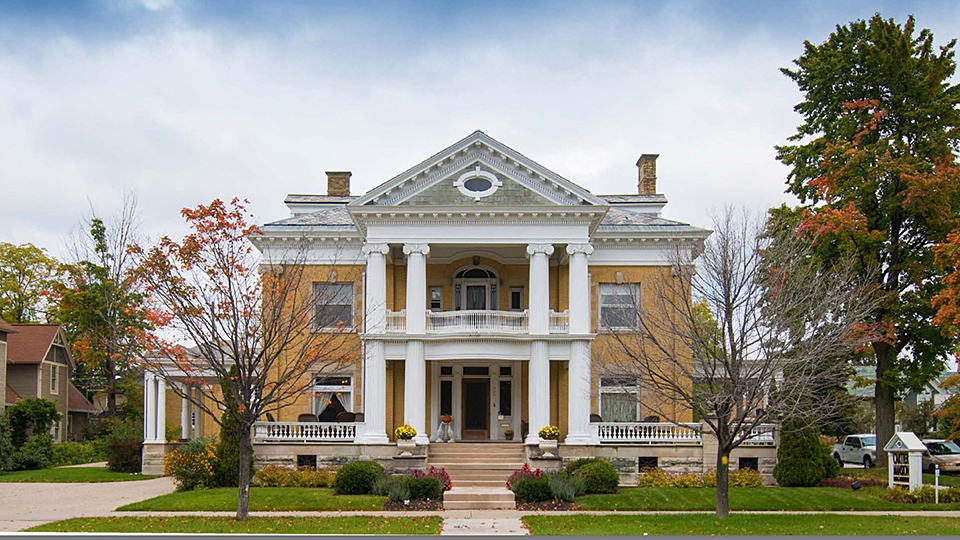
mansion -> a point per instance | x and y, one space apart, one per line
483 286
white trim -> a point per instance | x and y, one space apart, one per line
477 172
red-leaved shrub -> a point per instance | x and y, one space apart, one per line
524 472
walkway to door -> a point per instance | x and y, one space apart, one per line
479 472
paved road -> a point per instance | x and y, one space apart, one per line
24 505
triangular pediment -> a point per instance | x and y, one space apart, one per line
445 179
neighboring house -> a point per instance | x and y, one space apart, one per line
483 283
9 395
863 383
932 391
79 410
40 364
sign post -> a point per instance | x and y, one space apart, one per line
904 462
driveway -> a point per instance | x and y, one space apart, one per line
24 505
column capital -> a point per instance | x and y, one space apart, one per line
546 249
416 248
585 249
369 249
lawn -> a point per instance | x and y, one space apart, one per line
773 498
945 479
71 474
741 524
254 525
261 499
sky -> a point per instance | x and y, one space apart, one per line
181 101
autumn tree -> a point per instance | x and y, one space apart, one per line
26 274
745 332
871 166
250 320
101 305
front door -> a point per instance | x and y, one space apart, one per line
476 297
476 415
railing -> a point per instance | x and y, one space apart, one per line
560 322
396 321
304 431
762 435
470 321
648 432
476 320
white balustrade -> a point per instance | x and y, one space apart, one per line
475 321
304 431
762 435
648 432
396 321
560 322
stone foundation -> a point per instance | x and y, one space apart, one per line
151 457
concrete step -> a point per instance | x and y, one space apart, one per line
477 464
478 499
487 484
453 460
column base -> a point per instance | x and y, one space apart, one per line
582 439
373 438
422 439
532 438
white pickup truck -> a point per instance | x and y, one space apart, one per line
860 448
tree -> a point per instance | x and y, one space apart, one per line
870 164
949 410
256 317
31 417
101 305
26 273
781 323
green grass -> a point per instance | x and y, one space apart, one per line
71 474
261 499
945 480
254 525
741 524
773 498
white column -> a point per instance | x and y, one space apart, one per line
415 371
185 413
538 394
579 373
149 407
161 435
374 362
539 287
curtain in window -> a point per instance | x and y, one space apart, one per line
320 402
618 407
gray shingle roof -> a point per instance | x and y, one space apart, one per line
634 198
304 198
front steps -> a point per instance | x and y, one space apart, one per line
479 472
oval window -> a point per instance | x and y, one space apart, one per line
478 184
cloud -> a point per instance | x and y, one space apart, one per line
180 105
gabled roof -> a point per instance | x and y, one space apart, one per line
30 343
5 326
11 396
479 148
78 402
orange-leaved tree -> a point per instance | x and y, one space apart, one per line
231 318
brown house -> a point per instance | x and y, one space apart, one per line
39 364
9 396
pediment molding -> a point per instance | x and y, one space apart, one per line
479 148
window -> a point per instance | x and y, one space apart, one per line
476 370
446 370
618 305
647 462
477 183
749 463
332 395
307 460
334 305
436 298
516 298
506 397
446 397
619 399
56 430
54 379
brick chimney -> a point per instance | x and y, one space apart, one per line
647 168
338 183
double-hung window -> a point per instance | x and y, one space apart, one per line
333 305
619 399
54 379
618 305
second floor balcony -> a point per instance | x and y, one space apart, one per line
477 321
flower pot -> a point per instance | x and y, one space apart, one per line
406 446
548 447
